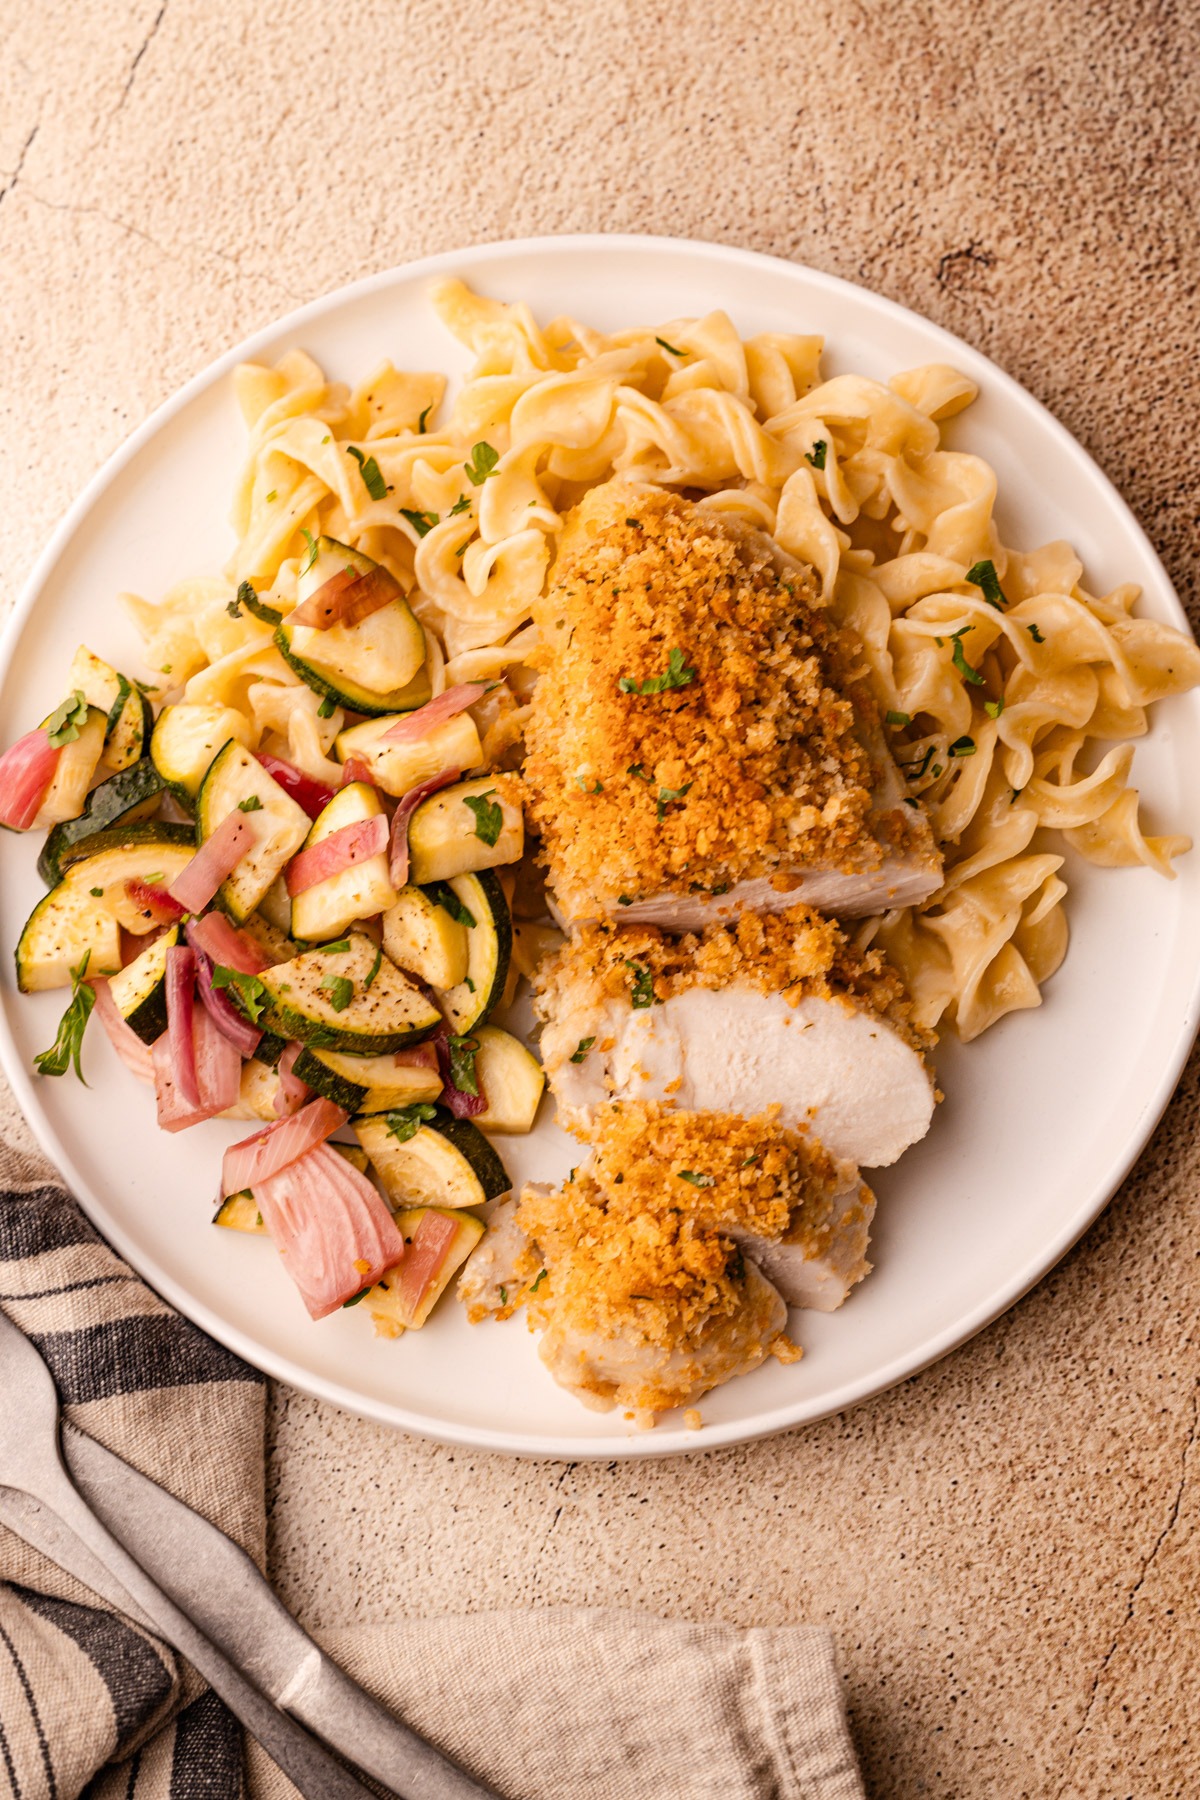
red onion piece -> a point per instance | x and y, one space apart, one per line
26 771
346 598
398 857
124 1039
355 769
341 850
312 796
292 1091
218 1065
417 1056
462 1105
181 998
196 884
221 1009
416 725
223 943
259 1157
149 898
331 1225
424 1258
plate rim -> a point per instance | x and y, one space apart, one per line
278 1366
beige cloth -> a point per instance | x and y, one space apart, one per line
561 1703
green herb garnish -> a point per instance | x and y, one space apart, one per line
443 895
965 669
248 990
676 675
375 968
373 480
636 523
1036 635
993 708
327 707
643 994
816 456
898 718
406 1121
489 816
667 797
696 1178
983 576
581 1049
96 893
664 344
251 803
461 505
421 522
463 1051
67 1045
337 948
537 1284
311 558
355 1298
340 990
963 746
503 1296
597 787
482 464
63 725
423 417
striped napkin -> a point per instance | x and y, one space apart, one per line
565 1703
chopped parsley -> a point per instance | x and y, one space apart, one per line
273 495
375 968
406 1121
311 557
118 706
340 990
965 669
667 796
469 983
637 769
421 522
581 1049
327 707
757 1157
64 724
337 948
597 787
67 1045
503 1296
423 417
816 456
251 803
983 576
676 675
963 746
462 1052
96 893
234 609
898 718
1036 635
643 994
355 1298
636 524
248 990
624 899
482 464
443 895
461 505
670 347
489 816
373 480
696 1178
537 1284
993 708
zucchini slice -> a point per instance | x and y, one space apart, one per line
123 799
77 765
421 935
398 768
390 1309
129 720
365 1084
359 892
154 852
140 988
511 1077
186 739
489 951
354 1000
443 833
64 927
240 1213
447 1162
237 779
376 666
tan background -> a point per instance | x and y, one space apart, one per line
1008 1547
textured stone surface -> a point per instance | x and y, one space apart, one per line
1008 1547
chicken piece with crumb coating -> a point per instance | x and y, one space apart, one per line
702 737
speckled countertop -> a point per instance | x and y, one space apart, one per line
1008 1547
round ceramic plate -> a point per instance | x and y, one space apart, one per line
1042 1117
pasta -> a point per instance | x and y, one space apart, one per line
1012 692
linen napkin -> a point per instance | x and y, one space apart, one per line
562 1703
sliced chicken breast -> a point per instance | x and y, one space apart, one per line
816 1265
490 1283
702 736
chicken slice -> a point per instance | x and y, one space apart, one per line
702 736
490 1282
815 1266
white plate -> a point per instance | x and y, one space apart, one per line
1043 1116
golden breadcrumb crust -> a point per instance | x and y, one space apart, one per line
797 953
747 765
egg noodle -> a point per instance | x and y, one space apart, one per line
1012 693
